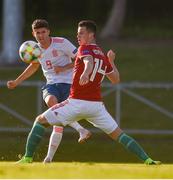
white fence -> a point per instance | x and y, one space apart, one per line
126 88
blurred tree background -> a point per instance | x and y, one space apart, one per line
140 16
116 19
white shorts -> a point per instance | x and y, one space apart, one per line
74 110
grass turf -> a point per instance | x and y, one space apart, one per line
75 170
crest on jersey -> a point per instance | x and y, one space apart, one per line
75 51
55 113
55 53
84 52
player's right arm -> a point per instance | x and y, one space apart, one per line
88 67
29 71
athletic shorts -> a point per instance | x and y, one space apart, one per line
74 110
59 90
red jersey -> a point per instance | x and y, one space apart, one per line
92 90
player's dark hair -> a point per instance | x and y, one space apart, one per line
40 23
89 24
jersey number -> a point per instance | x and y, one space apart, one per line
98 68
49 64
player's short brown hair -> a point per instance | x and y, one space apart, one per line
89 24
40 23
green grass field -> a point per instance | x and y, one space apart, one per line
99 148
76 170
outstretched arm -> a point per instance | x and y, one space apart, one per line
29 71
114 77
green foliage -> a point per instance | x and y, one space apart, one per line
144 19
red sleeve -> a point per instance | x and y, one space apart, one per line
109 68
84 51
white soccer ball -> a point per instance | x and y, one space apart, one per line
30 52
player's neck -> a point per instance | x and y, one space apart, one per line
47 43
93 41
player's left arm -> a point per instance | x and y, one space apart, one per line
89 63
114 76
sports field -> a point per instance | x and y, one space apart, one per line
100 157
75 170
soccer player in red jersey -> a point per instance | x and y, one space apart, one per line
85 102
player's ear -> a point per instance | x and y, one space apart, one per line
48 32
33 34
91 35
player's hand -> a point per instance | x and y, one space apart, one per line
84 79
59 69
11 84
111 55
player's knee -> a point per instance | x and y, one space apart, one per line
116 133
42 120
51 100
